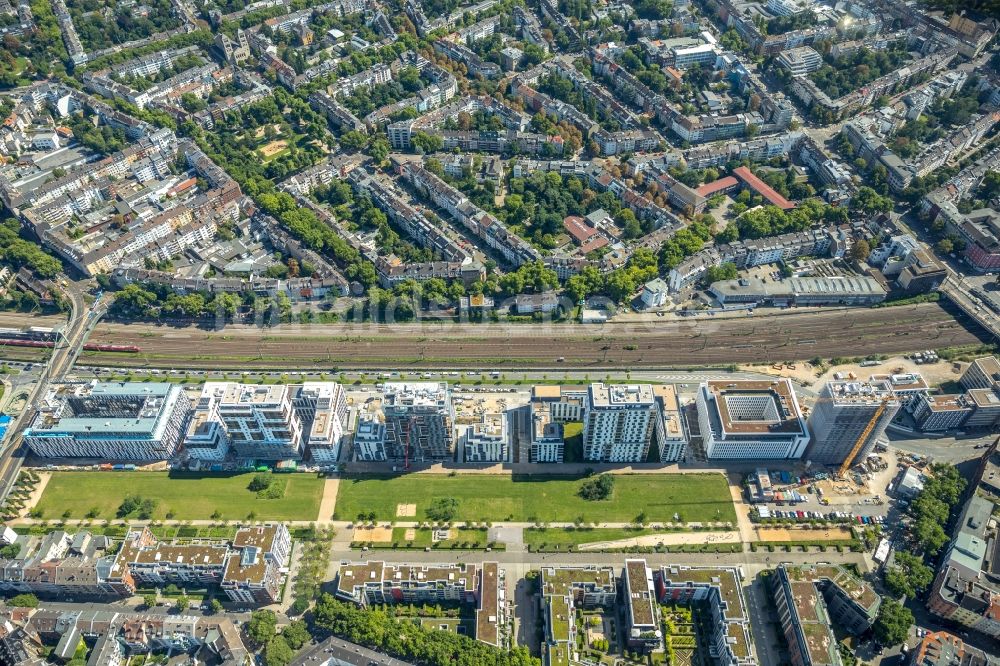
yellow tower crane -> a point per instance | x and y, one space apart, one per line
863 437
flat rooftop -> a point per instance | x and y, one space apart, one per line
641 595
756 407
846 393
620 395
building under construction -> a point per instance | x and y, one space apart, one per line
842 415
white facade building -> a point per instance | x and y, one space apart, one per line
110 421
671 435
268 422
749 419
486 442
322 406
619 422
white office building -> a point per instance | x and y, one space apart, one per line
801 60
110 421
619 422
205 438
749 419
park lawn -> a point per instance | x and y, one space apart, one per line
189 496
695 497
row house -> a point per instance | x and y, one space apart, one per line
65 565
514 248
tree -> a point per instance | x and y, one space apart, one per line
893 623
149 600
597 488
129 505
870 202
945 246
443 509
353 140
10 551
23 601
262 626
296 634
183 602
278 652
216 606
726 271
860 250
260 481
908 576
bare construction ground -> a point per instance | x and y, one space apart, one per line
692 342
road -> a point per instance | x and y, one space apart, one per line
946 448
82 319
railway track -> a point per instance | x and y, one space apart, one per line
704 341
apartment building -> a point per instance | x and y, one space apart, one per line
119 634
670 434
619 422
965 590
248 569
843 412
719 592
419 419
551 407
109 421
810 600
268 422
322 406
252 572
377 583
259 421
60 565
939 648
751 419
369 438
642 608
487 440
800 61
564 590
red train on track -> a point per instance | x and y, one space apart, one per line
90 346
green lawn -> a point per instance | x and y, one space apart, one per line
474 538
566 537
188 496
696 497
